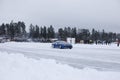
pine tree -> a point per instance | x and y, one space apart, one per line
31 31
74 33
45 32
61 33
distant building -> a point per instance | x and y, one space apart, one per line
4 39
71 40
118 36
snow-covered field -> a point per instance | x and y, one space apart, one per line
24 61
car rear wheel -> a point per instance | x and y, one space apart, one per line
70 47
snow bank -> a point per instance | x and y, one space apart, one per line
19 67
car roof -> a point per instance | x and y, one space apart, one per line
63 42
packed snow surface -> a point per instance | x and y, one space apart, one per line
39 61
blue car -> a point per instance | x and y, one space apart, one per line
61 45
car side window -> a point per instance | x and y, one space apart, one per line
57 43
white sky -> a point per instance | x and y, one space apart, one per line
98 14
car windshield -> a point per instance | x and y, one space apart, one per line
63 42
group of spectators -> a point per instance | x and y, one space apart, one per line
103 42
107 42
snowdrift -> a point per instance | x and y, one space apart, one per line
19 67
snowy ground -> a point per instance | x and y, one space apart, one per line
87 62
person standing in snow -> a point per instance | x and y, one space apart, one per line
118 43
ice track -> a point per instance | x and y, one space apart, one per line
100 57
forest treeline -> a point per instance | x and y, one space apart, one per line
45 33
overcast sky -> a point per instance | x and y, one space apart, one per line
98 14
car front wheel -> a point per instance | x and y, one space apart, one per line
61 47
